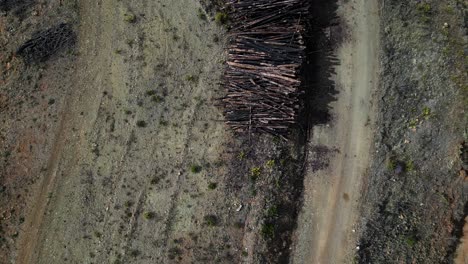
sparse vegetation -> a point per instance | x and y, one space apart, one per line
211 220
426 113
151 92
241 155
134 253
272 211
409 167
191 78
148 215
212 185
270 163
201 14
268 230
391 164
129 18
255 173
154 180
97 234
410 241
157 99
128 203
424 8
221 18
141 123
195 168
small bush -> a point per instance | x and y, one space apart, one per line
211 220
97 234
212 185
148 215
411 241
426 112
424 8
221 18
134 253
255 173
268 230
141 123
409 167
129 18
154 181
157 99
272 211
150 92
191 78
391 164
201 14
195 168
270 163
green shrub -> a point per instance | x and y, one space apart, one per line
272 211
212 185
195 168
141 123
191 78
148 215
426 112
201 14
129 18
391 164
255 173
270 163
150 92
221 18
268 230
424 8
211 220
409 167
157 99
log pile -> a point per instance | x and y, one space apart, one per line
265 53
45 43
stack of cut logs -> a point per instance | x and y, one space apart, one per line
265 53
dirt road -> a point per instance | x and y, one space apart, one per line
326 227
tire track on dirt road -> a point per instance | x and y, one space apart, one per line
28 241
327 223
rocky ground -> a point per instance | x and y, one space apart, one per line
416 195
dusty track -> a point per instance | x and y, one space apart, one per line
326 224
